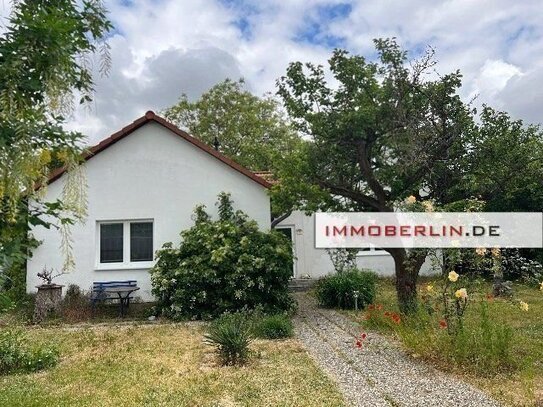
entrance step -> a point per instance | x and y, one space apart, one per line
301 284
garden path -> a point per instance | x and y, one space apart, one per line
380 373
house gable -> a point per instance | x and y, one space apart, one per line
148 173
152 117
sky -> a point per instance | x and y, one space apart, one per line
163 48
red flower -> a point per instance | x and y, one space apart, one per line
396 318
387 314
443 324
371 307
363 336
359 343
379 307
489 297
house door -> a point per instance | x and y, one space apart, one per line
288 231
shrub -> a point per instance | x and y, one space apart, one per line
224 265
13 282
16 357
273 326
517 267
231 335
339 290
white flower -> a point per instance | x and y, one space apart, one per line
453 276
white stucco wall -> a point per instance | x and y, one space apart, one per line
316 262
150 174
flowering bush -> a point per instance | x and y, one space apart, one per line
517 267
223 265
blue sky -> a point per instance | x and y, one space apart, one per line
163 48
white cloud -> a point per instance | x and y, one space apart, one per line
522 96
493 77
163 48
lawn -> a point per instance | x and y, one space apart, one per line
165 365
522 385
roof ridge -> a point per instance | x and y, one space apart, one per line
151 116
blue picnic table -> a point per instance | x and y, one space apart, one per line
114 290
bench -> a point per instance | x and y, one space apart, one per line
99 287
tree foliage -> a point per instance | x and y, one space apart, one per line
45 60
251 130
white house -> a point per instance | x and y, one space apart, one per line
143 184
314 263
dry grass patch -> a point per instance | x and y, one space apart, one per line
166 365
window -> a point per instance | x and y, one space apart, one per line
372 250
111 243
125 243
141 241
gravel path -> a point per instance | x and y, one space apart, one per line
380 374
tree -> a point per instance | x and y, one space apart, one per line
383 133
251 130
45 60
502 167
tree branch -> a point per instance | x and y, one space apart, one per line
368 174
355 196
280 219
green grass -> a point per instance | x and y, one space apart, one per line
165 365
517 381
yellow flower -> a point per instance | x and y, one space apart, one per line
453 277
45 157
428 206
462 293
411 199
430 287
524 306
63 155
481 251
495 252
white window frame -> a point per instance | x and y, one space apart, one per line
372 252
126 264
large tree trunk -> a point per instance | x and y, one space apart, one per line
407 267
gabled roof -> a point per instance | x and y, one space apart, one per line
152 117
268 176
